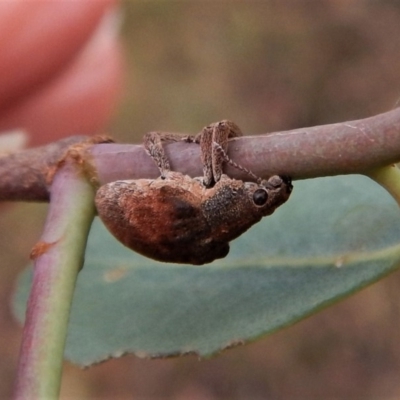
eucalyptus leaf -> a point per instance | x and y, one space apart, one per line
333 237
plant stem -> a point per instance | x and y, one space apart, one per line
58 259
25 175
344 148
389 178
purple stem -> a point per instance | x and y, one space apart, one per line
342 148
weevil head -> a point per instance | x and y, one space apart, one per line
269 194
232 206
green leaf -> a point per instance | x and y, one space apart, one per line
333 237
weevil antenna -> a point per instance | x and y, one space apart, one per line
226 158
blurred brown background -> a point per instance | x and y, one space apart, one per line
268 66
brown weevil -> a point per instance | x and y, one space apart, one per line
180 219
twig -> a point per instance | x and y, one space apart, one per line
58 259
326 150
342 148
24 175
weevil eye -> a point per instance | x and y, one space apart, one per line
260 197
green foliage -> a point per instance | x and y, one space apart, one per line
333 237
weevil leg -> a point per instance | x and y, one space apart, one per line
152 142
211 156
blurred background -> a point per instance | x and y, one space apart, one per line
268 66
